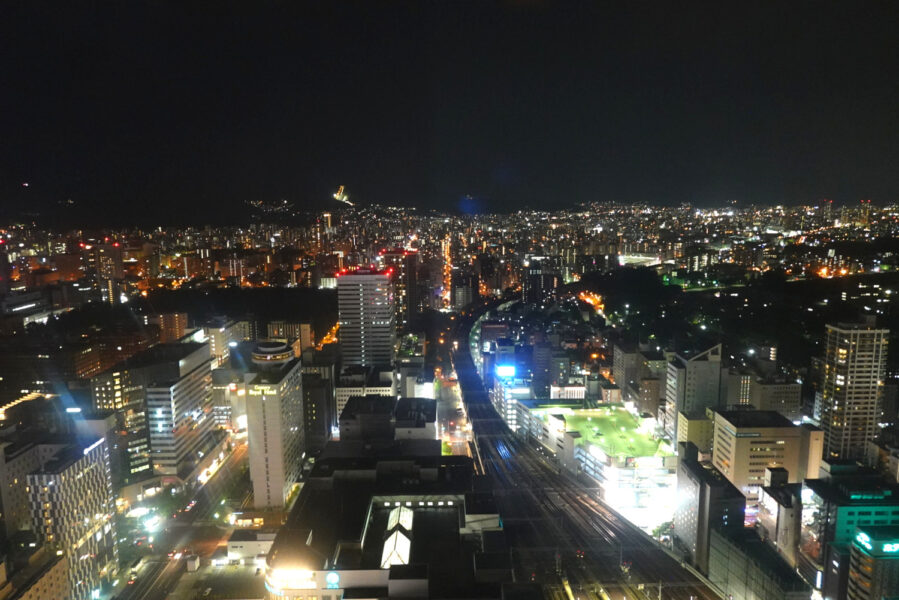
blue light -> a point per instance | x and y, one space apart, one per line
505 370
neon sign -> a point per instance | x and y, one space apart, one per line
863 539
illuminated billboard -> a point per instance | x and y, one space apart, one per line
505 370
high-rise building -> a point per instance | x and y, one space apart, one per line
403 268
180 414
367 318
72 508
274 423
852 388
540 279
123 390
874 563
693 384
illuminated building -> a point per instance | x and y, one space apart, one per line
874 563
289 331
507 391
852 388
172 326
844 498
404 273
367 318
180 415
220 333
72 508
274 423
123 389
747 442
540 279
635 471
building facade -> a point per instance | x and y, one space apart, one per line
72 509
367 318
852 388
274 423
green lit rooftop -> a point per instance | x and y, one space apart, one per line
614 430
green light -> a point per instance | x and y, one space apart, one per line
894 547
863 539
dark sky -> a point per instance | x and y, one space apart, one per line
153 110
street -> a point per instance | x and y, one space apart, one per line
196 530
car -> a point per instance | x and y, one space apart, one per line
132 580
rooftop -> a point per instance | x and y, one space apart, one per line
711 476
159 353
418 410
614 430
370 404
755 418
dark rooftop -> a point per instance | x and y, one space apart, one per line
160 353
755 418
711 476
369 404
417 410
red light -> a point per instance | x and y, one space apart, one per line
81 244
115 245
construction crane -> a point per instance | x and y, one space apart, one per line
342 196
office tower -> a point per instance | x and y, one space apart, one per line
274 423
103 261
852 387
180 414
403 268
72 507
367 318
874 563
123 390
705 500
693 384
464 288
746 442
540 279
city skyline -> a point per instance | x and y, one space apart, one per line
463 107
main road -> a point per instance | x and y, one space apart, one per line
197 530
558 529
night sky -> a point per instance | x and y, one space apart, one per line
158 111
